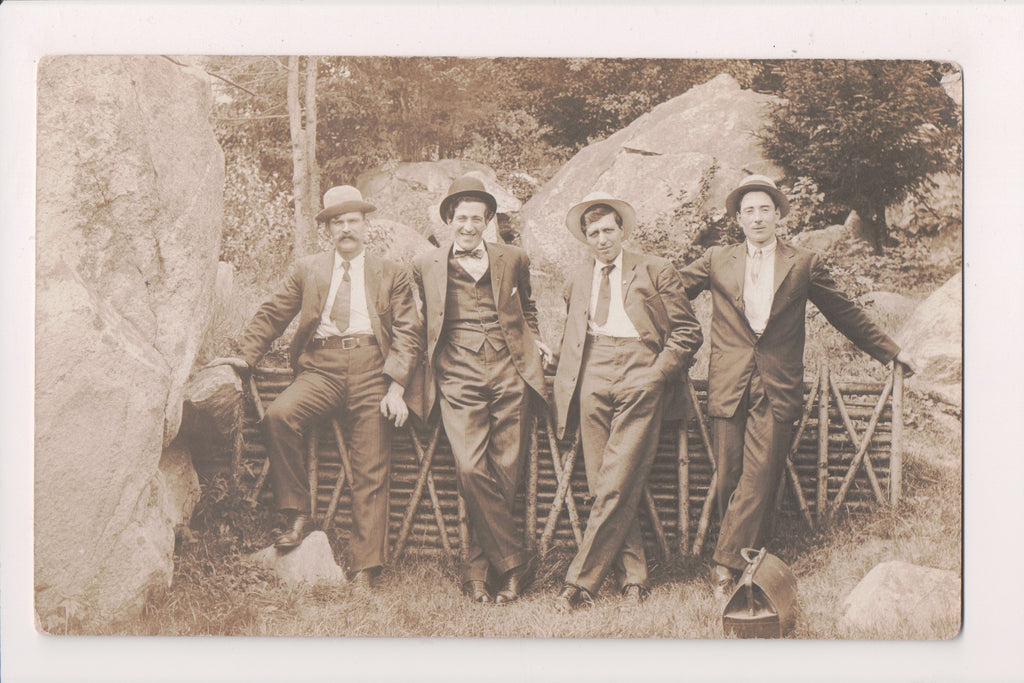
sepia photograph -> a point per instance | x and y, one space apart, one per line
467 350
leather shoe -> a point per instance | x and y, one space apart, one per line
511 586
572 597
300 527
635 593
722 578
362 581
477 591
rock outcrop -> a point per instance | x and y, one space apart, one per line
128 224
902 600
311 563
650 161
933 335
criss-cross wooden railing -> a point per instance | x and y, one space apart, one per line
845 454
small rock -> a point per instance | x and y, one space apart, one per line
902 600
311 563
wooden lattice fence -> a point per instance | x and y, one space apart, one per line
846 454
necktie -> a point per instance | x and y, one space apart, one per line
471 253
755 265
604 296
342 300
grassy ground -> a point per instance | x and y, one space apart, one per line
216 591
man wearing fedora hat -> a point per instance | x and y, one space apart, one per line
628 334
353 353
759 292
484 357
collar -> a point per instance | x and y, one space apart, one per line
357 262
455 245
617 262
766 250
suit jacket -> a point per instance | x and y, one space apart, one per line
654 301
778 354
389 302
517 312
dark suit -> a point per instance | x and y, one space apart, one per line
761 378
349 382
481 360
620 385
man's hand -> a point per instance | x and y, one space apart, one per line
909 364
545 353
392 406
237 363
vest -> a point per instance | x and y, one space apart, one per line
470 315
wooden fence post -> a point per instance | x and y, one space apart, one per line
821 504
896 445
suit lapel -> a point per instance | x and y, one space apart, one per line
628 273
440 268
371 283
323 269
497 265
581 293
736 273
783 262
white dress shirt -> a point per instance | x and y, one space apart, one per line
757 296
618 323
359 316
476 267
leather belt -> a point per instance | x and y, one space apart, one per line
346 343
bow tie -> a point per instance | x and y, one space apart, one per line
477 253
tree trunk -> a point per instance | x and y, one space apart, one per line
313 168
305 229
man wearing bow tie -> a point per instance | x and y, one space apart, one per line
354 351
629 333
484 358
759 292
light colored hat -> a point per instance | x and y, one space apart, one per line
466 186
625 211
756 183
343 199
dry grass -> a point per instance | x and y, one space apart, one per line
217 591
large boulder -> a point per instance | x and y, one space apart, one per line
902 600
411 192
128 226
650 161
933 335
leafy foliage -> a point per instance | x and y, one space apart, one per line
866 132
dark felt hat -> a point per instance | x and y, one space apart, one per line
467 186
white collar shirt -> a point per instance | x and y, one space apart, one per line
618 323
476 267
759 285
359 315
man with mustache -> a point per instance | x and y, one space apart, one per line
484 360
357 342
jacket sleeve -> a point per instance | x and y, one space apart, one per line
407 330
684 335
696 277
846 316
273 316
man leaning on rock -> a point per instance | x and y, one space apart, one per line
357 341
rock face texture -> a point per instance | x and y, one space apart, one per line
650 161
934 336
902 600
128 224
410 193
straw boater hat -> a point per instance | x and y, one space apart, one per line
467 186
625 211
756 183
343 199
